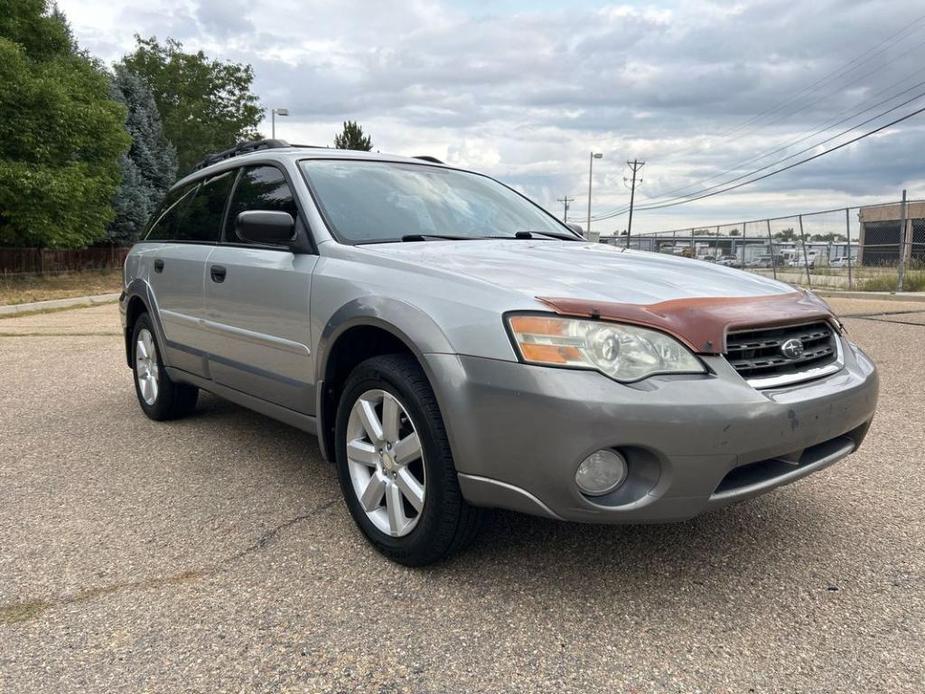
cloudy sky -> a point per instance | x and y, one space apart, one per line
525 89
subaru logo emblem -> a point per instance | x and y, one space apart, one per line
792 348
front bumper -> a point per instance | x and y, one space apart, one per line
692 442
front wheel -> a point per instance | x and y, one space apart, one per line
395 466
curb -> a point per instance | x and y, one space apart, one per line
871 296
58 304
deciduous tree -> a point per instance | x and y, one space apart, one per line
61 135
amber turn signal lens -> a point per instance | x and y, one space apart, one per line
549 354
537 325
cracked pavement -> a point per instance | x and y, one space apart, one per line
214 554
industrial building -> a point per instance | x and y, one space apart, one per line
881 234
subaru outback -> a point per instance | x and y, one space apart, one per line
455 347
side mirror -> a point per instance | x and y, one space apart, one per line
266 227
577 228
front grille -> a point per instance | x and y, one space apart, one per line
756 354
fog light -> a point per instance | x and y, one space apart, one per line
601 472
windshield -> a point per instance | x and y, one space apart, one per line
376 202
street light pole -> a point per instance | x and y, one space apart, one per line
273 114
591 158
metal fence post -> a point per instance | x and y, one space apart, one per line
902 243
770 249
809 280
848 234
693 250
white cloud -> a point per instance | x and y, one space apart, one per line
525 93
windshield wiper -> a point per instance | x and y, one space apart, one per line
550 234
517 235
439 237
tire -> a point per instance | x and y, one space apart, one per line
444 523
160 397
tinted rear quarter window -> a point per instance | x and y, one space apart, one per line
163 228
194 213
201 219
259 188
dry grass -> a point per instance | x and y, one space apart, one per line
22 290
866 277
914 282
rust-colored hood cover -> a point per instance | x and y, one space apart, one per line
702 323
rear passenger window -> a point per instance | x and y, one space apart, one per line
201 219
194 212
259 188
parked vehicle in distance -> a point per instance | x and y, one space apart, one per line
799 261
761 261
707 257
455 347
841 261
728 261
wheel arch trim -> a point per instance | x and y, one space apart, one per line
406 323
139 290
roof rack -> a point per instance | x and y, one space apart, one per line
257 145
238 149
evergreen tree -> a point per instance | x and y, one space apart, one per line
61 136
150 166
133 204
352 137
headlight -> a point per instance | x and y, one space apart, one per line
623 352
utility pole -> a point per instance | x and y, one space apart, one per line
902 244
635 166
566 202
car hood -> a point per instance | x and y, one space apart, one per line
569 269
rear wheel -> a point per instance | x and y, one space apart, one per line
395 465
160 397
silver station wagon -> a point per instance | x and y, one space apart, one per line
455 347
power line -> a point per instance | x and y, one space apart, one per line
790 166
828 95
841 72
838 72
795 154
825 126
844 70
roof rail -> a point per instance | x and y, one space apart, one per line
238 149
427 157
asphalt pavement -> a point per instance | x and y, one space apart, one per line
214 554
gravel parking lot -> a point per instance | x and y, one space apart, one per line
214 554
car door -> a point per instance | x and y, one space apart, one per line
257 302
183 235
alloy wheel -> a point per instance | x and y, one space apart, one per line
146 370
386 462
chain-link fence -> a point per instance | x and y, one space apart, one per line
874 248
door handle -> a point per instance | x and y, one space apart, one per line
158 265
218 273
